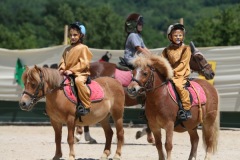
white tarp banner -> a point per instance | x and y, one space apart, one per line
227 78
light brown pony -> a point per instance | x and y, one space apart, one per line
151 76
46 82
101 69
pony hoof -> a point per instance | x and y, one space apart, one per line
56 157
92 142
104 157
71 158
77 138
138 134
151 140
116 157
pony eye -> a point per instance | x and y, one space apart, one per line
33 85
145 74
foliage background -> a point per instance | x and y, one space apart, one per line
28 24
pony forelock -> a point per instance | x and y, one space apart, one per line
140 61
159 63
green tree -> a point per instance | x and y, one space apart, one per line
220 30
105 28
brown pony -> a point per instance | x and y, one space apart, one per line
198 64
151 75
46 82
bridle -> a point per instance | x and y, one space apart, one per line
148 86
200 65
34 97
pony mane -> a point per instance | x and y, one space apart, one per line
51 76
161 64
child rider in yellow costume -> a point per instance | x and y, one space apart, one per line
76 61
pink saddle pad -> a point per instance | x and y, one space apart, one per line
200 91
124 77
96 91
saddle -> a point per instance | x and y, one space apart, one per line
196 93
123 65
124 77
96 91
197 98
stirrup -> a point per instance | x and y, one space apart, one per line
183 115
81 110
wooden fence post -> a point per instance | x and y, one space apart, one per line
181 21
65 35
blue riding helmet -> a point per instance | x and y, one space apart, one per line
79 26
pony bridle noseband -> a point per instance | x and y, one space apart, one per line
34 97
148 86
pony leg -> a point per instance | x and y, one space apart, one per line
168 143
158 141
108 135
58 138
78 134
70 139
194 138
88 137
120 138
145 131
140 134
150 137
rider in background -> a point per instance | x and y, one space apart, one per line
134 43
179 56
76 61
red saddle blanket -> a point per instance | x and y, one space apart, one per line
96 91
124 77
198 89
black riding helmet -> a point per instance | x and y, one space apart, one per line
132 21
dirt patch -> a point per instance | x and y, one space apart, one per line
37 143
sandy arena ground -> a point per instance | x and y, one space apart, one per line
37 143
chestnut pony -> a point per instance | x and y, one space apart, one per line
198 64
151 75
47 82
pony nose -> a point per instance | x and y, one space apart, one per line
132 92
23 105
211 76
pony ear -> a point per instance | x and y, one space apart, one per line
36 67
26 67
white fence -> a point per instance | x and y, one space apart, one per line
227 78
